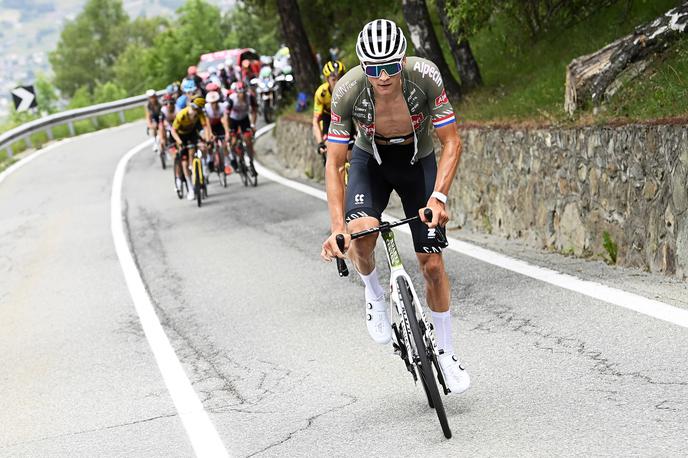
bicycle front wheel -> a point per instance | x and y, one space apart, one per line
197 181
425 366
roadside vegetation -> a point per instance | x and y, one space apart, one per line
524 77
521 54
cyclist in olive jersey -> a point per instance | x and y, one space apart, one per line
394 100
332 71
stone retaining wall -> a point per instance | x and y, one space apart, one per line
561 188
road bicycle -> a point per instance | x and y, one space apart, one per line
413 337
248 173
198 179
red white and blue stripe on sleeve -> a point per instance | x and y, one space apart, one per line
337 138
444 120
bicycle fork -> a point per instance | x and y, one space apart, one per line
397 270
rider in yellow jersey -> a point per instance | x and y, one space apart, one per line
186 129
322 99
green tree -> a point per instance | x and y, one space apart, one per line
108 92
254 27
534 17
199 29
89 46
143 30
81 98
130 70
46 96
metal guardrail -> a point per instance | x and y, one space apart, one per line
24 131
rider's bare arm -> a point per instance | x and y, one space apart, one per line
449 161
225 125
446 170
317 133
336 158
176 136
207 130
149 120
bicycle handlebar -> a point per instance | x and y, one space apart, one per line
341 264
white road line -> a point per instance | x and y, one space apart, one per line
204 438
631 301
26 159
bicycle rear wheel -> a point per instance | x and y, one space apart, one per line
426 373
252 176
220 169
243 170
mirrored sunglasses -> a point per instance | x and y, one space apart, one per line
374 71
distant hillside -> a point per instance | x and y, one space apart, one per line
30 29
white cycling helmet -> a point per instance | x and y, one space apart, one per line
212 97
381 41
150 92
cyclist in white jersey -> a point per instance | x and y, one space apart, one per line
216 112
242 111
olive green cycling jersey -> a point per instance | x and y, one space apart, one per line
353 101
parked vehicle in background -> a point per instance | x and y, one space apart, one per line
213 59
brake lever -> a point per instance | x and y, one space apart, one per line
341 264
439 233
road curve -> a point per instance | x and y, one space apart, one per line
274 342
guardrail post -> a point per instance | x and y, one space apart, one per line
9 150
29 144
121 117
49 131
70 125
94 121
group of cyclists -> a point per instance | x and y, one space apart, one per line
195 113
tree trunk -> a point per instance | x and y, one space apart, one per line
306 73
588 78
469 72
425 41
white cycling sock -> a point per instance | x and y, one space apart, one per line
373 288
443 331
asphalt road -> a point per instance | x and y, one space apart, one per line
274 342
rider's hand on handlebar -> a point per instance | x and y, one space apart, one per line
439 213
322 147
330 250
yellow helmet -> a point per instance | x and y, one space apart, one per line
198 103
333 67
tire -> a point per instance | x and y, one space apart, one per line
197 181
180 191
162 159
268 114
252 177
426 373
176 166
243 170
221 175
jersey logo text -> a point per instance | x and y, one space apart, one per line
429 70
442 99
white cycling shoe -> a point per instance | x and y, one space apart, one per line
190 195
455 375
377 321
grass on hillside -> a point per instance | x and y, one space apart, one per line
524 80
59 132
